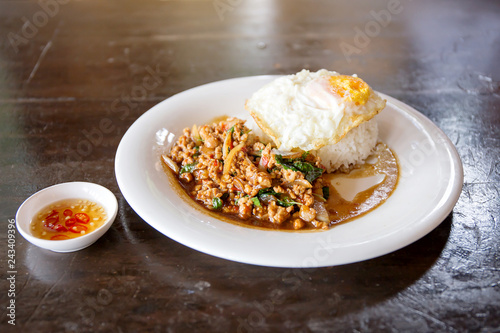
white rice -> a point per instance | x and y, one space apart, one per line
352 150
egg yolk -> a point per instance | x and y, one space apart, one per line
350 88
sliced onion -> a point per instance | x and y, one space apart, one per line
230 157
195 135
321 212
238 184
207 151
171 164
267 198
302 182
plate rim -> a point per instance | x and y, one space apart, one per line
455 184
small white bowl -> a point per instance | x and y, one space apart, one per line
72 190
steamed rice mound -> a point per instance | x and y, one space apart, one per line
352 150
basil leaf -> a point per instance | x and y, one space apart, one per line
326 192
266 191
237 199
281 200
310 171
256 202
285 163
287 202
216 203
188 168
319 197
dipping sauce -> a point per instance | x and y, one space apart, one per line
67 219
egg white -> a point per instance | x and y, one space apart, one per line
301 110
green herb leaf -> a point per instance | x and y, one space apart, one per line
217 203
326 192
281 200
286 164
188 168
311 173
319 197
256 202
266 191
237 199
287 202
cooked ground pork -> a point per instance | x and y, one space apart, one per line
226 168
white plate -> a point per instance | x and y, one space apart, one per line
430 184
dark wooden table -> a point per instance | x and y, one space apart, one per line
66 65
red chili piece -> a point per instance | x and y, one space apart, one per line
52 220
82 218
70 222
68 212
53 214
60 228
78 228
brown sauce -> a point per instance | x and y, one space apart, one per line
383 171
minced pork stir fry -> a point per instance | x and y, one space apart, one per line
227 169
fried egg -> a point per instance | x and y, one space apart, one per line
309 110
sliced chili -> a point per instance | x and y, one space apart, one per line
70 222
53 214
82 218
52 220
68 212
60 228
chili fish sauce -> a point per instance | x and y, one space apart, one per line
67 219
